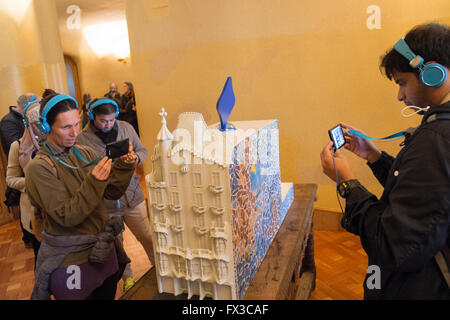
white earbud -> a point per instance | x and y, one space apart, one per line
419 109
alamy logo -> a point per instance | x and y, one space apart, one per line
374 280
74 280
73 22
374 20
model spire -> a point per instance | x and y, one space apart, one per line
164 133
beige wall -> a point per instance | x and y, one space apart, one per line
32 58
309 64
95 73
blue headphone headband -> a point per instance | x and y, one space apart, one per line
31 102
431 74
100 102
45 127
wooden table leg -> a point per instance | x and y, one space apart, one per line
307 272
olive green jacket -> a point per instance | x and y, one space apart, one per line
71 200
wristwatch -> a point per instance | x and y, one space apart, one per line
345 186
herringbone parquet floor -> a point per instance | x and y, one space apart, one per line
340 262
341 265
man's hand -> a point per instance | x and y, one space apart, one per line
130 157
102 169
361 147
342 165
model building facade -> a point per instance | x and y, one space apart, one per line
216 202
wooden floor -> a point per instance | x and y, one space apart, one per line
340 262
341 265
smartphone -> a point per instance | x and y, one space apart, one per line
117 149
337 136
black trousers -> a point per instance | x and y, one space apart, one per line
107 291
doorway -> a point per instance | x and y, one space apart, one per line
73 80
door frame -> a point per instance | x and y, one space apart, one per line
76 79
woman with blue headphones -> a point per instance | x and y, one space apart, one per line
79 257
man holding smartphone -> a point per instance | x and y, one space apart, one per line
103 129
406 232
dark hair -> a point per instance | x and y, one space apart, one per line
48 92
60 107
431 41
129 85
86 97
106 108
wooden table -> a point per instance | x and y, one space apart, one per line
290 255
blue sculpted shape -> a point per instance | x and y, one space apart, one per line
225 105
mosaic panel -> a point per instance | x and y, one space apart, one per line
256 199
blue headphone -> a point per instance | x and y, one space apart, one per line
100 102
44 126
431 75
31 102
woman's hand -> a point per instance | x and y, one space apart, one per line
361 147
102 169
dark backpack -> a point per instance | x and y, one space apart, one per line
12 197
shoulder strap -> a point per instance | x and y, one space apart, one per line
439 116
50 162
439 257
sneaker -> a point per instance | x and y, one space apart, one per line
127 284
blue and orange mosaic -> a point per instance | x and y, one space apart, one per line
256 201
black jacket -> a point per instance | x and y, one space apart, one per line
402 232
11 128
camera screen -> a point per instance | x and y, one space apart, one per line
337 136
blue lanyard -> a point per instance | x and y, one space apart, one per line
392 137
398 135
77 153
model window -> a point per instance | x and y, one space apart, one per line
162 239
158 196
215 178
179 239
173 179
219 222
199 199
180 266
206 267
197 179
217 202
175 198
177 219
164 263
195 265
201 220
220 246
223 270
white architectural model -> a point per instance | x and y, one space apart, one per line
216 203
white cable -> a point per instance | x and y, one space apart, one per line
415 112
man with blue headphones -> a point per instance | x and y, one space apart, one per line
406 232
103 128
